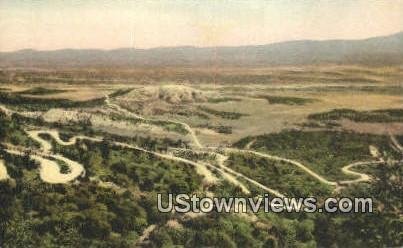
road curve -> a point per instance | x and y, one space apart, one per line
201 168
191 132
49 170
361 176
223 169
346 169
293 162
46 147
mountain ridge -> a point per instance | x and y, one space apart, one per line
381 50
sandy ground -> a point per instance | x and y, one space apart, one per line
374 128
262 116
3 171
50 170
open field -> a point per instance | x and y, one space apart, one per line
97 147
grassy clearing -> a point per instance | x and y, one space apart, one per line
384 115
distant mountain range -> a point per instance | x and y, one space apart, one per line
385 50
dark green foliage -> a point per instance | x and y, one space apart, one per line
223 129
41 91
218 128
31 103
383 228
223 99
288 100
12 132
378 89
70 216
285 178
64 168
86 214
383 115
120 92
93 215
189 113
210 231
223 114
325 152
36 214
229 230
125 166
167 125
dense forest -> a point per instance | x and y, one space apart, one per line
88 214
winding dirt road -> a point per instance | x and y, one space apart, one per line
118 108
289 161
230 175
49 170
362 177
221 162
46 146
396 143
53 175
146 233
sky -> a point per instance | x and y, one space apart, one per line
104 24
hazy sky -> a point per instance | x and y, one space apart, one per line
55 24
